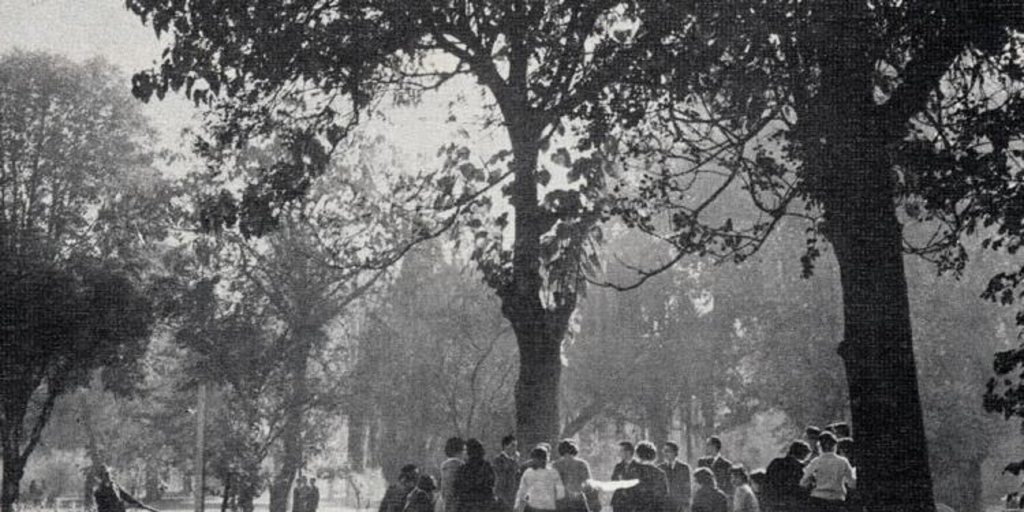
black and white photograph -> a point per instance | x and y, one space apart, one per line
512 255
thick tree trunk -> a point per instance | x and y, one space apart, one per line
539 328
536 396
877 348
849 135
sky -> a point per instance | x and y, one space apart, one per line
84 29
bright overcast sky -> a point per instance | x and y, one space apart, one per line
82 29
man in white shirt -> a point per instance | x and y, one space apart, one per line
828 475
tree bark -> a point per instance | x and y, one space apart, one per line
849 134
877 349
539 328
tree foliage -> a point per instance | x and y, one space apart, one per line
76 192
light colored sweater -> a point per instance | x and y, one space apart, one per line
540 489
830 474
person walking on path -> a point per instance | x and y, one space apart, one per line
473 488
541 487
574 473
678 474
110 497
506 472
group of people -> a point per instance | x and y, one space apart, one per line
815 475
305 495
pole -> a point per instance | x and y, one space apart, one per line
199 489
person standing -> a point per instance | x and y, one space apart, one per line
395 496
782 490
828 476
743 498
625 470
422 498
541 487
312 496
506 472
649 495
678 474
574 473
455 451
473 488
110 497
299 494
811 435
708 498
718 465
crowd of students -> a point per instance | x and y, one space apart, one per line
815 475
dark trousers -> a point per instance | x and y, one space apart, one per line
823 505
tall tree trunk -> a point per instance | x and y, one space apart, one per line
849 134
877 349
539 328
294 424
536 394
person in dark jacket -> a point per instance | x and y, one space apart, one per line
622 500
299 495
718 465
110 497
649 495
455 453
782 491
312 496
474 482
506 472
708 498
422 498
395 497
678 474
